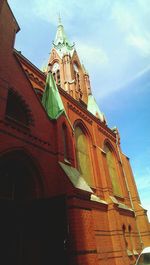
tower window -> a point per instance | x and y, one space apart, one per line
77 82
54 75
58 77
75 68
17 110
76 75
56 72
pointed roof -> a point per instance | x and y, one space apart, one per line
94 109
44 67
61 42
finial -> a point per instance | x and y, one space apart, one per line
59 19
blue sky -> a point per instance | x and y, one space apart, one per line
112 38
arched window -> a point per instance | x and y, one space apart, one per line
130 236
112 170
83 156
124 236
56 72
65 142
77 77
58 77
54 75
17 110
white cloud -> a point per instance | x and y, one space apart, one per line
143 181
124 16
143 185
49 10
137 76
94 56
141 43
132 19
144 6
140 73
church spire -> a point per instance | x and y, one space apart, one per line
70 74
59 20
61 42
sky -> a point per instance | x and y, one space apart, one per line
112 39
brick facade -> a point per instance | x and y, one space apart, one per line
101 227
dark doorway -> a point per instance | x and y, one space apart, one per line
32 230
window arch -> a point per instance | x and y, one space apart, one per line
58 76
76 76
17 110
130 237
83 155
124 236
111 163
56 72
54 75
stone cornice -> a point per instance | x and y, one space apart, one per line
29 65
106 133
80 113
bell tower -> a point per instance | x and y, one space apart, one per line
69 73
66 68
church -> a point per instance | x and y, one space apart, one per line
67 191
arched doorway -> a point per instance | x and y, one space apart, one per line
32 229
19 185
19 177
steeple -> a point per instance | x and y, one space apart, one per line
61 42
70 74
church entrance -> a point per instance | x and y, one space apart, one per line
32 229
